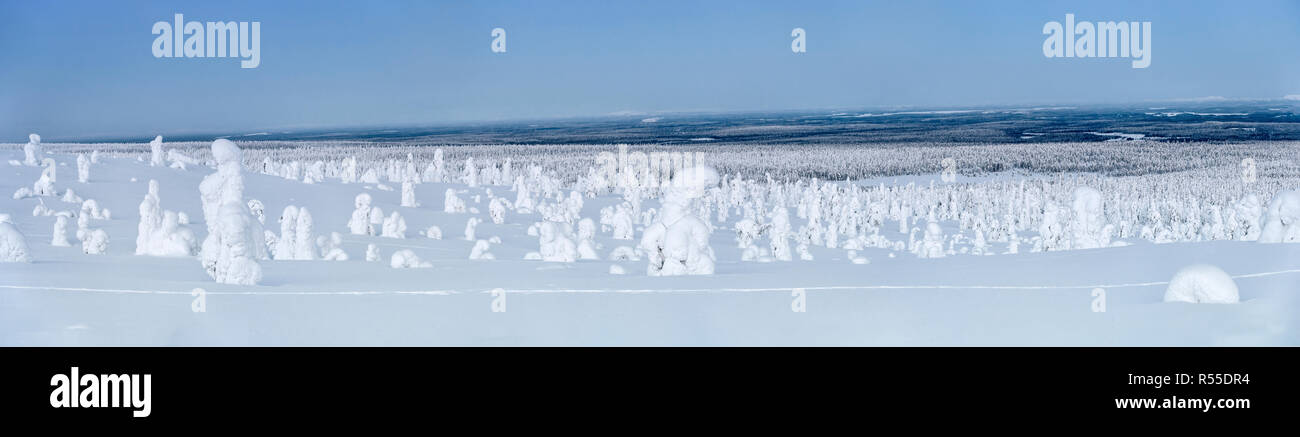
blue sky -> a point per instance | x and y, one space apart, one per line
85 69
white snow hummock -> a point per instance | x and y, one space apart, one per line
235 241
1282 220
1202 283
406 259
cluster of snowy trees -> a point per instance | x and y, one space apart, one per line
771 198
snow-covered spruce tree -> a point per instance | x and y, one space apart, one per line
235 242
1248 212
33 151
451 203
480 251
471 228
45 185
1282 219
622 222
497 210
1089 229
469 174
348 173
150 220
95 242
83 168
285 245
678 242
304 248
160 232
372 252
13 247
394 226
779 234
434 233
1051 232
408 194
60 238
156 152
359 224
586 240
931 246
555 243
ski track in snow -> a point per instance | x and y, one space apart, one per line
675 290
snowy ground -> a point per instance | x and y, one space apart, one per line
66 297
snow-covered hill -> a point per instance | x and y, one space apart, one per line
1007 262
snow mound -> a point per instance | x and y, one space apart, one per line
1202 283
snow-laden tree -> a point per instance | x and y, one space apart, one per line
586 240
13 247
931 246
314 173
1282 220
555 243
451 203
778 234
360 224
1247 214
160 232
235 241
497 210
83 168
304 248
33 150
394 226
95 242
1089 229
156 152
471 228
469 174
622 223
348 172
480 251
285 245
60 238
408 194
678 242
45 185
434 233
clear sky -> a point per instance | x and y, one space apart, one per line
85 68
